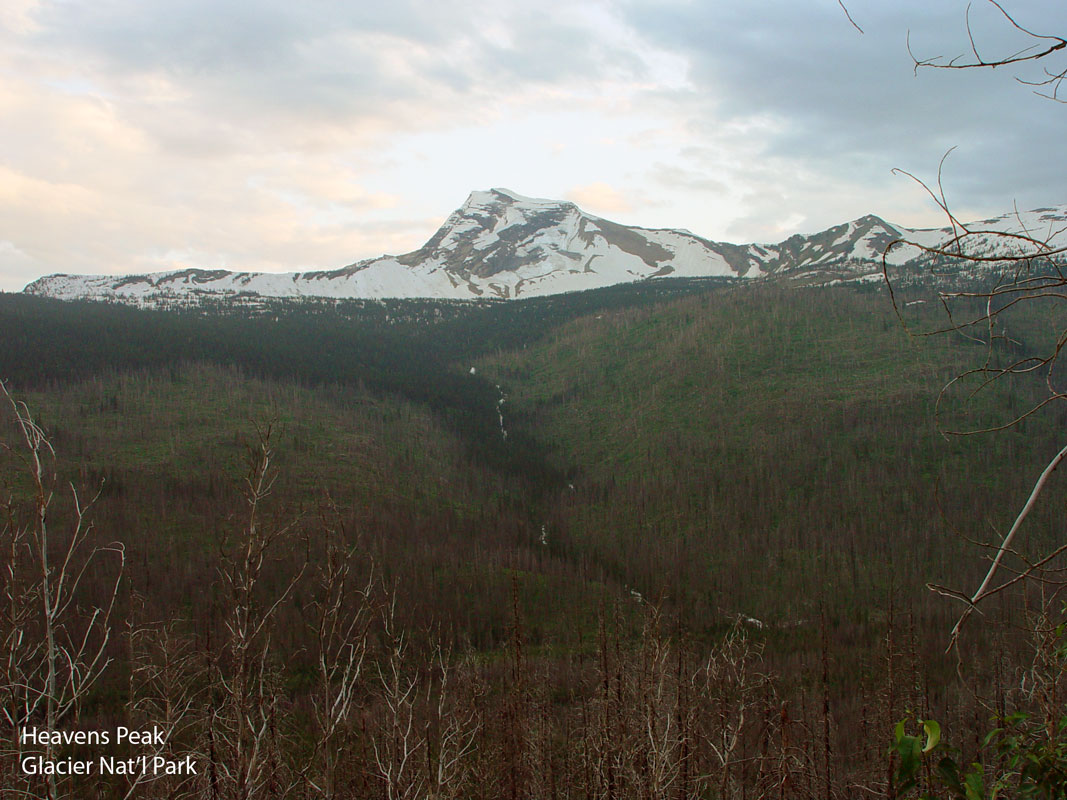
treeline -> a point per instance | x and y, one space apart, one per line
49 343
419 350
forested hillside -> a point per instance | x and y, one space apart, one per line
666 541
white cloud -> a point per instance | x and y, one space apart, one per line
16 16
599 198
278 135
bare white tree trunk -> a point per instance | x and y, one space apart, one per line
53 655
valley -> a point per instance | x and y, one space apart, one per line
692 470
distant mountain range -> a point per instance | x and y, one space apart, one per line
500 244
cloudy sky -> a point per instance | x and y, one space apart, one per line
143 135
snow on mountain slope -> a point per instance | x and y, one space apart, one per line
501 244
987 236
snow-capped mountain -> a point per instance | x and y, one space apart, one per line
500 244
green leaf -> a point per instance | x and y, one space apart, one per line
933 734
975 784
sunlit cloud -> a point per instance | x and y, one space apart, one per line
599 198
150 134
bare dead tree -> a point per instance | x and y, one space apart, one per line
657 757
733 695
168 683
1033 273
399 741
1040 686
245 722
426 730
339 621
1022 270
55 643
608 738
456 722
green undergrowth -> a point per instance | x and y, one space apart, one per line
767 452
732 453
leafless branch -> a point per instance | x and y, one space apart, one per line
1043 46
854 25
53 656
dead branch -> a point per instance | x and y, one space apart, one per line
1043 46
53 655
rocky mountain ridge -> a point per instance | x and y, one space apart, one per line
500 244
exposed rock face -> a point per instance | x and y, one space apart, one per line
504 245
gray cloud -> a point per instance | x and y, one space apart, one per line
850 105
252 63
150 133
190 37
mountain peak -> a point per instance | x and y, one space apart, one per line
521 198
869 219
498 198
500 243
